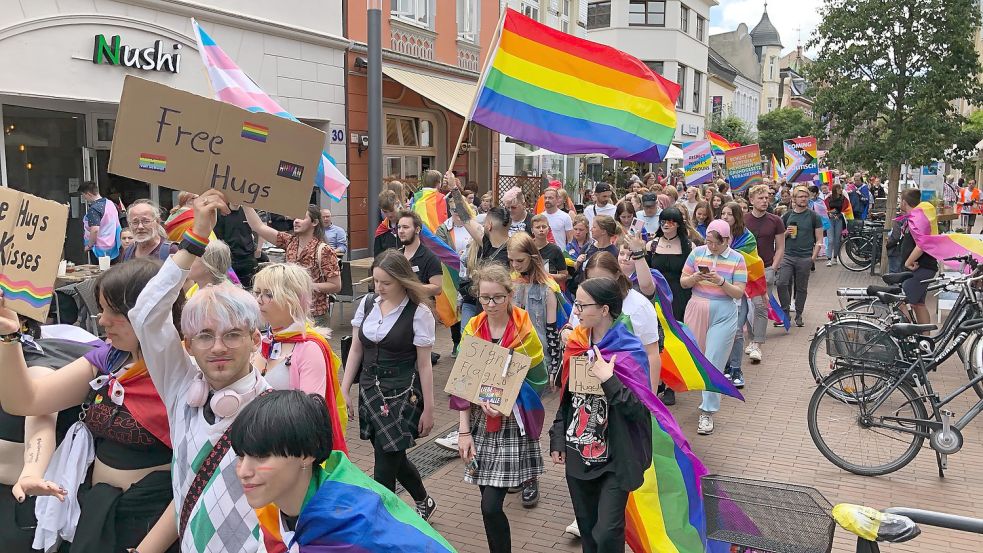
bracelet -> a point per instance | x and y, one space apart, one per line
193 244
459 434
11 338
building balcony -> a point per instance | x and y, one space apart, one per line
412 40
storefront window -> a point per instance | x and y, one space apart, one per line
104 129
43 150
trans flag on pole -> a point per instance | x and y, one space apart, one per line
232 86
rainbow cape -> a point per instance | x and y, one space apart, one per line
847 208
232 86
747 245
719 144
521 336
431 206
666 512
178 223
574 96
345 511
923 224
684 367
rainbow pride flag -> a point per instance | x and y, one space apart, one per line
25 291
177 224
747 245
231 85
574 96
255 131
847 208
431 206
719 144
826 177
775 174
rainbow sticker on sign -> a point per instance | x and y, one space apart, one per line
252 131
153 162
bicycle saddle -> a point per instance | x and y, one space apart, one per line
889 298
897 278
874 289
904 330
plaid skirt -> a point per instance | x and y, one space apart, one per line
505 458
394 423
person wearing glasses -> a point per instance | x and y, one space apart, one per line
503 452
668 253
392 334
717 275
143 219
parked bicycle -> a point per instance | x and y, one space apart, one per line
861 250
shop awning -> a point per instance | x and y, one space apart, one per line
453 95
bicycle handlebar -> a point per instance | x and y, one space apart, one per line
941 520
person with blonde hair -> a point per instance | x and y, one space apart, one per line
211 268
393 333
534 294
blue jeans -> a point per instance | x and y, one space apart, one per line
468 310
835 235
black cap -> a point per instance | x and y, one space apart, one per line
650 198
602 187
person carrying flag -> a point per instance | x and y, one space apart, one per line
769 233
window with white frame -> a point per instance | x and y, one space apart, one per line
683 18
529 10
697 90
681 80
598 15
418 12
565 16
701 28
467 20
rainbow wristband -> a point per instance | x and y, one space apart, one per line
193 244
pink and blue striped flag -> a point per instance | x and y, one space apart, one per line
231 85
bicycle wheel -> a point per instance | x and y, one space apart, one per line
871 307
855 254
973 362
844 431
859 339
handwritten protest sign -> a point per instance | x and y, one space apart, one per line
801 159
477 374
743 167
698 165
582 379
32 234
187 142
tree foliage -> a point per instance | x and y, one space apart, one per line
734 129
780 125
963 153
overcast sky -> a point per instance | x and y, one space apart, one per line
787 15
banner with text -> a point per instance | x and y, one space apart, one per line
187 142
488 372
743 167
698 162
801 159
32 235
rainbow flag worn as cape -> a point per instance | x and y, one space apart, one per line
684 367
232 86
574 96
431 206
922 223
719 144
178 223
747 245
666 512
345 511
847 208
521 336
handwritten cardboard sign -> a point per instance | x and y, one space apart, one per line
477 374
32 235
582 379
187 142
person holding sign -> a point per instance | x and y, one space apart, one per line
602 431
393 333
502 452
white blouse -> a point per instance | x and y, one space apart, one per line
377 327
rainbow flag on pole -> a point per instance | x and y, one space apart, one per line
720 144
826 177
574 96
231 85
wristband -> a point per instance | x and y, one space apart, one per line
193 244
11 338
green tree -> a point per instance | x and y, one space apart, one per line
887 74
734 129
963 153
780 125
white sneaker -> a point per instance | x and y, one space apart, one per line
705 425
573 529
448 442
829 263
747 350
755 353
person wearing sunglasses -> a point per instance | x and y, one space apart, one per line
392 334
501 453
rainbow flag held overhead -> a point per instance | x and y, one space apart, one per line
231 85
432 208
720 144
574 96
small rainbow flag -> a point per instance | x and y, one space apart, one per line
574 96
256 132
826 177
720 144
153 162
775 174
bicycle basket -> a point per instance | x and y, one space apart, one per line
767 516
861 341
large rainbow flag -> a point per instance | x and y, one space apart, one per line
666 512
233 86
747 245
574 96
432 208
720 144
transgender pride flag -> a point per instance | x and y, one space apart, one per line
233 86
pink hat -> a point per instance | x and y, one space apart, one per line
720 227
555 184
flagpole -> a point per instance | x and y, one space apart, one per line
492 47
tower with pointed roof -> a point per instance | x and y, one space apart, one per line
768 47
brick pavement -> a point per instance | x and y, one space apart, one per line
764 438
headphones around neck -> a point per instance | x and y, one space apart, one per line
225 403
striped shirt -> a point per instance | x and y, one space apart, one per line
730 265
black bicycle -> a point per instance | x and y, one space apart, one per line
861 250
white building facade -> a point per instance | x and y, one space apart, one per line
64 63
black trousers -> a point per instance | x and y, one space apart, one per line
599 506
456 333
497 529
17 522
391 466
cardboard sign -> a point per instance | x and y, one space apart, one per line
32 235
743 167
477 374
801 159
187 142
582 379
